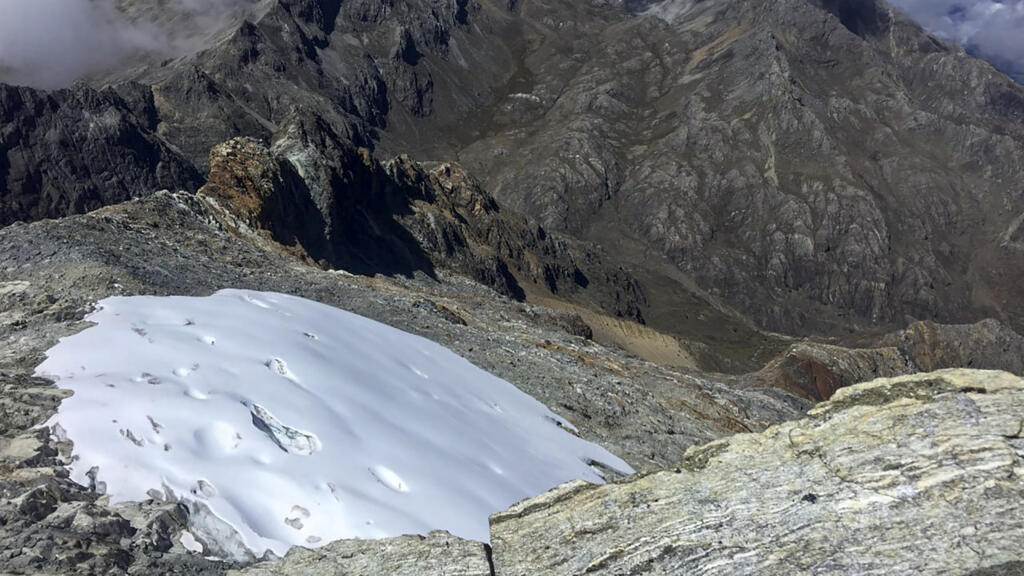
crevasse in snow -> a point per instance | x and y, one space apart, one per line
281 421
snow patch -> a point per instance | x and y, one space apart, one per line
190 543
387 433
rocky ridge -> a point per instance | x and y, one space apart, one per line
176 243
711 169
913 475
812 165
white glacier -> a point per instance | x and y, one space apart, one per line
291 422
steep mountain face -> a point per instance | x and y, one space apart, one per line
399 217
80 149
670 221
819 166
811 166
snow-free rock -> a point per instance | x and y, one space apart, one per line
920 474
438 553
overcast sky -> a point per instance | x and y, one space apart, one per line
49 43
991 29
52 43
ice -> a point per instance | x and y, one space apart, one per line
190 543
300 424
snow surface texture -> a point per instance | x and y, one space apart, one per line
280 421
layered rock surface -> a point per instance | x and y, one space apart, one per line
921 474
438 553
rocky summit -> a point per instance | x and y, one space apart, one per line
768 253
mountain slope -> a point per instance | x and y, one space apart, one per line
812 171
819 166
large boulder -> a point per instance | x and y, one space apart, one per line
920 474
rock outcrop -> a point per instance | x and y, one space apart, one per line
401 217
920 474
76 150
816 370
438 553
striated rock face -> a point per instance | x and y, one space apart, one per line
815 164
988 345
920 474
439 554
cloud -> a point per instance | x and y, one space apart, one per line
52 43
989 29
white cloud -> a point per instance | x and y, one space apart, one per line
52 43
990 29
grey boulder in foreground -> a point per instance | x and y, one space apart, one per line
921 474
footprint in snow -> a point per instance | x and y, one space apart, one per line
295 518
205 489
217 438
196 394
389 478
131 437
147 378
185 372
280 367
255 301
